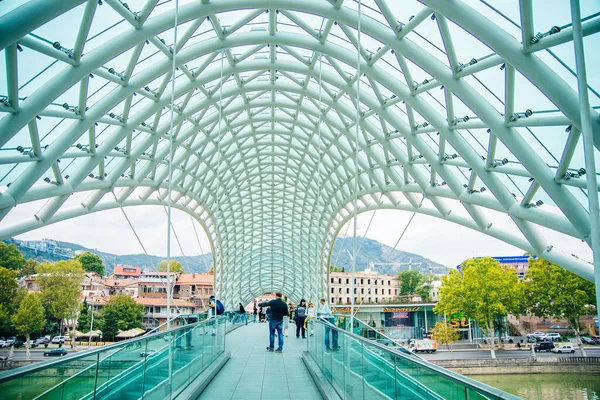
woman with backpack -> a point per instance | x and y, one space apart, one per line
300 317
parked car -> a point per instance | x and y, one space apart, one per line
11 340
32 343
587 340
3 358
55 352
59 339
507 339
4 343
18 343
536 335
566 348
544 346
554 336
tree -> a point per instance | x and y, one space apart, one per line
28 268
175 266
60 284
8 286
333 268
426 287
91 262
29 318
121 313
11 257
553 291
410 280
445 333
83 320
484 291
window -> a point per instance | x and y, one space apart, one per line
339 280
362 281
395 291
375 290
376 300
347 281
332 300
389 291
362 290
340 290
347 300
368 281
331 280
389 283
331 290
347 290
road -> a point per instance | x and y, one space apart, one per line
508 353
37 354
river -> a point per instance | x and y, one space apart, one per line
546 386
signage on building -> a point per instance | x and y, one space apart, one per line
344 310
400 309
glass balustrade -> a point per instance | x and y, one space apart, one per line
151 366
361 368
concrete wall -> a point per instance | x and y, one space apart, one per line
523 366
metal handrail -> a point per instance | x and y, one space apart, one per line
125 345
463 380
407 350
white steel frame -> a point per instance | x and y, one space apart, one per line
265 188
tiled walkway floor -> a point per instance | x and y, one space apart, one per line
252 373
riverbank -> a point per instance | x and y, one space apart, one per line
531 365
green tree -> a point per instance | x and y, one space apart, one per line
333 268
60 284
91 262
175 266
11 257
28 268
83 320
414 282
484 291
29 318
445 333
121 313
8 286
553 291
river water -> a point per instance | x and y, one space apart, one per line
546 386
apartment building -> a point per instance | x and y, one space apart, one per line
370 287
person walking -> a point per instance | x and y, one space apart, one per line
255 311
243 316
278 310
325 313
300 318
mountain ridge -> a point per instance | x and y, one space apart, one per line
370 254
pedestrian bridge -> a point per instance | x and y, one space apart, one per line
214 360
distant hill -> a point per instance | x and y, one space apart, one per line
371 253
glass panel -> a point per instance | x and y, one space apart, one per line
126 370
362 369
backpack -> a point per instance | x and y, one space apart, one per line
301 311
220 307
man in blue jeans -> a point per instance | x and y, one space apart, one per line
278 309
327 316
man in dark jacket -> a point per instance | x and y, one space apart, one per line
278 310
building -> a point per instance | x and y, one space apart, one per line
155 310
195 288
400 322
519 263
154 284
369 287
127 272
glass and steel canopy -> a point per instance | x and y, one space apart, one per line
286 121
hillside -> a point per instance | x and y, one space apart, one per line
370 251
